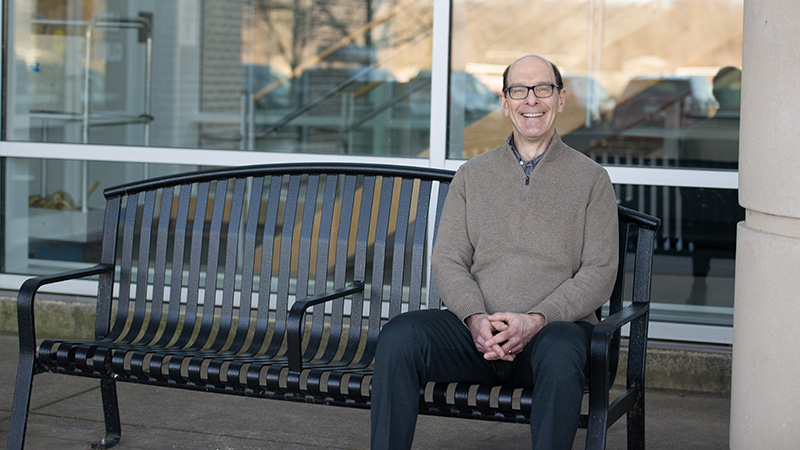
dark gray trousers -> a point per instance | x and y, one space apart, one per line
434 345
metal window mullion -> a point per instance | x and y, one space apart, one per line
440 69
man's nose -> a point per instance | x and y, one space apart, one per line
531 98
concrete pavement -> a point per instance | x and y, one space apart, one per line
66 413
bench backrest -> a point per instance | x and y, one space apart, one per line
225 252
214 259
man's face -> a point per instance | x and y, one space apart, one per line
533 118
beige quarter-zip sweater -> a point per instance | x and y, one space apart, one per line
544 244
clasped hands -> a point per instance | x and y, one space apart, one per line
503 335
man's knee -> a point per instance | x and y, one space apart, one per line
562 346
404 338
402 330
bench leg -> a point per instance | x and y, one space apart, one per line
597 429
636 424
22 401
108 388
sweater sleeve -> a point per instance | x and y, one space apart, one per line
579 296
453 255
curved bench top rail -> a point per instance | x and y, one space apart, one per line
640 219
424 173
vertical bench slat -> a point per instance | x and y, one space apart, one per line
195 260
145 234
403 205
125 266
304 258
325 233
433 292
176 277
214 242
160 266
415 285
287 235
246 304
360 265
339 323
108 256
378 267
265 284
323 241
231 265
306 233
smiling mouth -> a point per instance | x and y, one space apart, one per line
532 115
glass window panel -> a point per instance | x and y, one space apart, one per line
321 76
55 209
638 92
695 246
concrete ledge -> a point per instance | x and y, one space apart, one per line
54 318
685 370
682 370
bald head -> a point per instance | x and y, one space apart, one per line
556 72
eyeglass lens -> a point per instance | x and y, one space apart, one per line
521 92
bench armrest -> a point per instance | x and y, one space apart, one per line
604 330
27 294
295 320
601 341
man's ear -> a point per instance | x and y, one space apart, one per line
504 103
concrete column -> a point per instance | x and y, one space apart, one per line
765 390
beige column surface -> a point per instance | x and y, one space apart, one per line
765 385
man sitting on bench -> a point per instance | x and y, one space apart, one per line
526 252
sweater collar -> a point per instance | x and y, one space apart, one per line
554 148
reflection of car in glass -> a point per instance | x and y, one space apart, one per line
584 93
477 100
324 91
275 91
270 87
467 94
674 101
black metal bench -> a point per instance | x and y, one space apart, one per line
273 281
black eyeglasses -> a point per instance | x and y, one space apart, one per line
540 91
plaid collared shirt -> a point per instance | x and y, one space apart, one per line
528 166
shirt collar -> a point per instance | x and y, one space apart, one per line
527 166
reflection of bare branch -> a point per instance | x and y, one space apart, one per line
328 52
335 89
282 49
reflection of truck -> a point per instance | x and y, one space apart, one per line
672 101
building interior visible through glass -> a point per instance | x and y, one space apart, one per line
649 83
